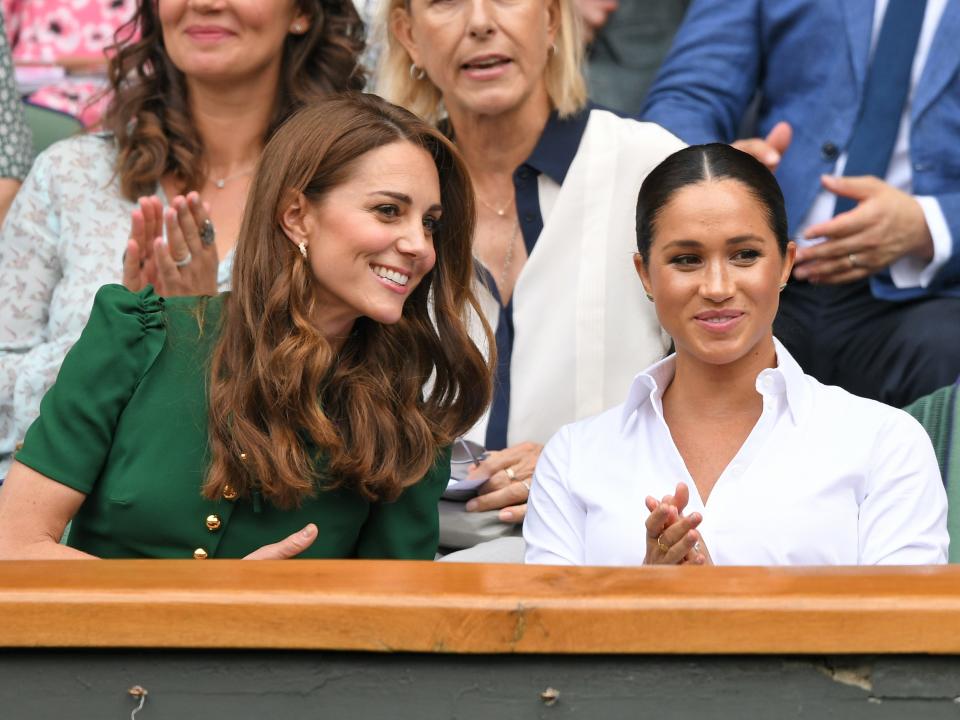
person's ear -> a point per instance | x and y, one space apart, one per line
401 27
643 274
553 20
789 257
295 219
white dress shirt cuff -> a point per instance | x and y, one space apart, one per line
910 271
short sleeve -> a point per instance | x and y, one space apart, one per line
70 440
409 528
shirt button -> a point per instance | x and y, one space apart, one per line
829 151
199 554
213 523
920 167
229 492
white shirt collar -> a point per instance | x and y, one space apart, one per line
787 378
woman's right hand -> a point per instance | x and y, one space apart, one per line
672 537
139 264
289 547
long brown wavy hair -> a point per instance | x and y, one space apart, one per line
381 408
149 114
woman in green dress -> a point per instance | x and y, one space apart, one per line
308 412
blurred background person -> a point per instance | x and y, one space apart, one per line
857 102
16 152
198 88
626 42
556 180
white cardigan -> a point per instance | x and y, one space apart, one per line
582 323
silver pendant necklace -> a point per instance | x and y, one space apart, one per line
219 183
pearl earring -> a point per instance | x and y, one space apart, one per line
297 27
303 249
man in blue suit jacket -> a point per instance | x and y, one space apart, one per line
875 307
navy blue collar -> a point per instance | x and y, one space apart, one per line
558 144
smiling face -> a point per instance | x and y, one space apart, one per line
230 38
486 56
715 271
370 239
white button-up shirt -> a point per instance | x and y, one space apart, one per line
824 478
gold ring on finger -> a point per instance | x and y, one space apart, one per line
663 548
511 475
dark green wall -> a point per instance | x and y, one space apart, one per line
76 685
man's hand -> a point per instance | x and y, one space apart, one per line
886 225
769 150
594 14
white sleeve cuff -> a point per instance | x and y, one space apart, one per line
910 271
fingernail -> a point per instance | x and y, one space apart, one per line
471 505
505 516
306 532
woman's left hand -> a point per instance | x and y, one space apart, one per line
187 263
510 472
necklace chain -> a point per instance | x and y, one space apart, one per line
500 212
508 256
221 182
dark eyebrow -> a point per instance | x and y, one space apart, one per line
405 199
737 240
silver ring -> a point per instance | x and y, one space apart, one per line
511 475
207 233
526 484
853 260
185 261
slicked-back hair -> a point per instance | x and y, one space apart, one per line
704 163
380 409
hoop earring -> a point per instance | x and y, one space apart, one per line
303 249
417 73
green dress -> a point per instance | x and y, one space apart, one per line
126 424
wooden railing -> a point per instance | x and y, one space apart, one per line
431 607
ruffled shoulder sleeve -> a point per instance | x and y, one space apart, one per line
70 440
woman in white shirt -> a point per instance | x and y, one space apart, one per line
754 462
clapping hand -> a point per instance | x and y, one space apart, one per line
672 538
186 263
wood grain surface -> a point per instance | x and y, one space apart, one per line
440 607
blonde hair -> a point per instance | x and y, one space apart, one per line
394 80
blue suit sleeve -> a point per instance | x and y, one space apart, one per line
948 277
712 72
